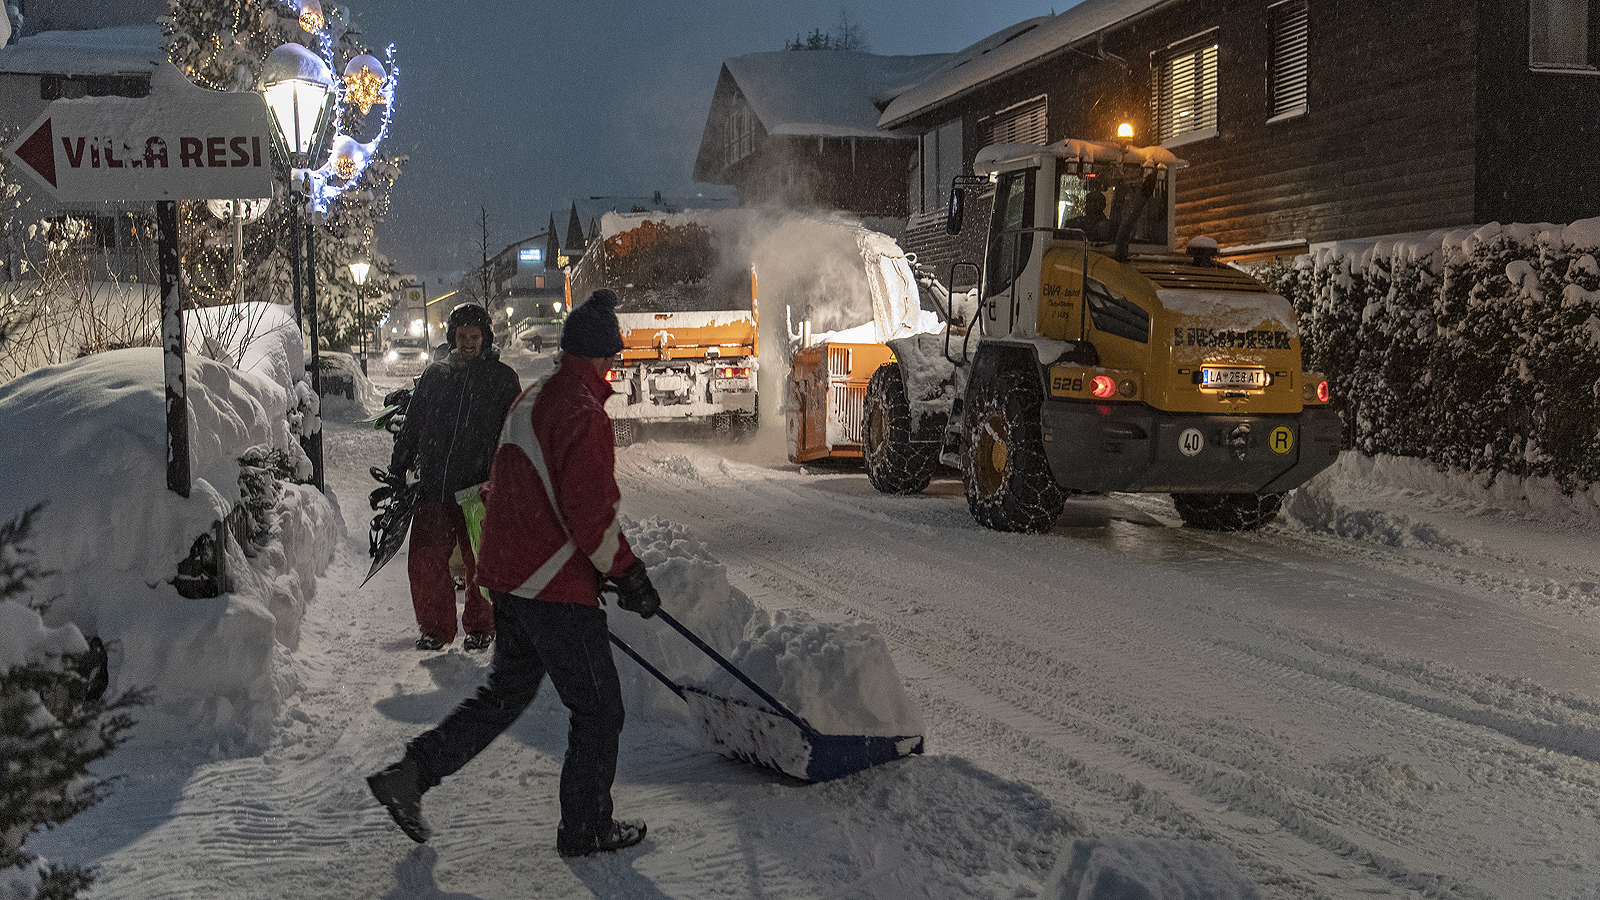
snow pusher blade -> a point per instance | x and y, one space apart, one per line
773 736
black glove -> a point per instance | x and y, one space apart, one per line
635 593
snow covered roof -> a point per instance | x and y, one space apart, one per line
822 92
1008 50
992 157
100 51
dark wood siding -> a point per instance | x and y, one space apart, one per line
865 176
1389 142
1385 146
1537 146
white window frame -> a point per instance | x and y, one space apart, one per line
1290 24
938 160
1201 45
1540 39
741 132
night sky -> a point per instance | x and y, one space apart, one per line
517 107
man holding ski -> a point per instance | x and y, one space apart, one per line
449 436
551 541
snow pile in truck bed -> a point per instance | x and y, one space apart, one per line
87 439
837 676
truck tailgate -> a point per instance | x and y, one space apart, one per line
687 335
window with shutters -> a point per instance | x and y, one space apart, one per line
1183 98
1561 34
1023 123
1287 69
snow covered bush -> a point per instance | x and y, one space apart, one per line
54 722
88 438
1474 349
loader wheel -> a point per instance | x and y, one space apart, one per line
896 464
1008 481
1227 512
624 432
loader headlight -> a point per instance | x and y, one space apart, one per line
393 355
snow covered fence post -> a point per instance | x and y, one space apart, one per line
172 351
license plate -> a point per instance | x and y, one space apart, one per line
1248 378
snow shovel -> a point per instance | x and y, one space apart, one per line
773 736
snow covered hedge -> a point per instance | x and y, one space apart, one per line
86 439
1475 349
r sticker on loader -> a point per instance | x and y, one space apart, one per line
1282 439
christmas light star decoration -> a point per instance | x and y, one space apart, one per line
311 16
364 80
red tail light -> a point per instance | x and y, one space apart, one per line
733 371
1104 386
613 375
1323 393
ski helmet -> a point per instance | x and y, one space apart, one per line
469 314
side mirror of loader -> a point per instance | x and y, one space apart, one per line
958 210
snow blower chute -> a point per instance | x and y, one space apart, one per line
773 736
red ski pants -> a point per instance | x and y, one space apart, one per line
437 527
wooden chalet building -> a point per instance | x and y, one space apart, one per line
1302 121
800 128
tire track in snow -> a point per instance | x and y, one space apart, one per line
742 508
1080 722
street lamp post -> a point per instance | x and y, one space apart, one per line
299 90
358 273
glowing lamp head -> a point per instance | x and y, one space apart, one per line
1125 132
1103 387
359 272
298 87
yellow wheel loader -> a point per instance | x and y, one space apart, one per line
1091 357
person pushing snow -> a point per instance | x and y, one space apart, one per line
551 541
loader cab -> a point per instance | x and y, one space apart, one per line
1114 199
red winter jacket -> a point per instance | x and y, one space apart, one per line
562 429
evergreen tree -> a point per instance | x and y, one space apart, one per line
222 44
53 724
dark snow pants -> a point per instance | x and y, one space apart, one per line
534 638
437 528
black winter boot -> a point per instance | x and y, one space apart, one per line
615 836
399 788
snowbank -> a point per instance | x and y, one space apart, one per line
1129 868
837 676
87 439
1319 505
25 639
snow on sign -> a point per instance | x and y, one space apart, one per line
191 144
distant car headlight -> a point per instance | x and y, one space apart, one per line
393 355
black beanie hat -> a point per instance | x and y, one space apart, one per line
591 329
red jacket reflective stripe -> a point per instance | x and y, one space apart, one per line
562 427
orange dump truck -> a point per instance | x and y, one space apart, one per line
689 323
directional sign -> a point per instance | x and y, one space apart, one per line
186 144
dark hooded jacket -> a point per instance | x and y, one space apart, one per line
453 423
